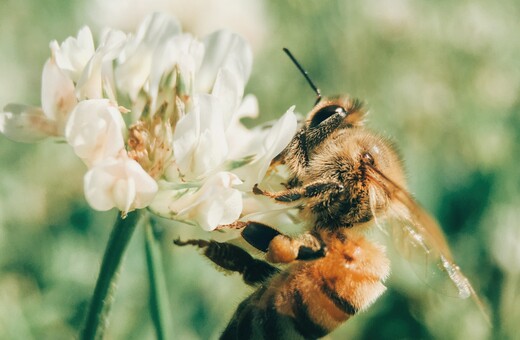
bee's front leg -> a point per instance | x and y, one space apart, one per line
323 124
317 188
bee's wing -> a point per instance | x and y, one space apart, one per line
419 237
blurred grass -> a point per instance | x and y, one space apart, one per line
441 78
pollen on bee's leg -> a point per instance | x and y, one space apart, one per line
282 249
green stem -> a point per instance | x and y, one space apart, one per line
159 299
97 317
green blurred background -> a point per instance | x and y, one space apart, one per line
441 77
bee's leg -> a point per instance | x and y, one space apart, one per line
310 190
323 123
295 154
235 259
285 249
259 235
293 182
311 248
281 248
330 118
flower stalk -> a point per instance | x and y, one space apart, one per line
159 298
101 302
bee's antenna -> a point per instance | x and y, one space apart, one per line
305 74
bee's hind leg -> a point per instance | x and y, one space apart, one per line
233 258
281 248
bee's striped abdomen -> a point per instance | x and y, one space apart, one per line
311 298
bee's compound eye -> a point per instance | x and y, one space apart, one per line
367 158
325 113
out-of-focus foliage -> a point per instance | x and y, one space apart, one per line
441 77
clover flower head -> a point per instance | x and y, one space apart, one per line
156 118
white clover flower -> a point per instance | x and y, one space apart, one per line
29 124
121 183
95 130
179 148
73 72
74 53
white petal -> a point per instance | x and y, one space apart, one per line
157 28
280 134
124 193
232 203
245 141
228 89
58 96
120 183
98 75
74 53
136 58
95 130
84 40
199 143
181 52
90 84
99 183
144 185
270 145
112 42
26 124
215 203
224 49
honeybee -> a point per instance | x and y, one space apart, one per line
343 179
345 176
